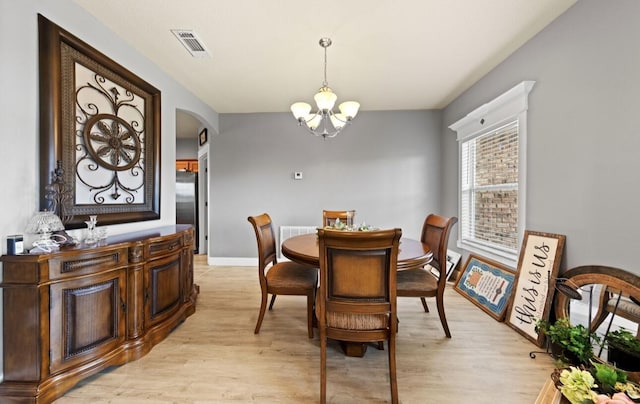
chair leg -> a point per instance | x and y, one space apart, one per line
392 368
323 367
443 317
273 300
599 318
263 308
424 304
310 301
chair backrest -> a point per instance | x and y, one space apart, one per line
265 236
346 216
358 281
435 233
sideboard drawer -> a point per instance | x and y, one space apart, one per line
86 263
165 246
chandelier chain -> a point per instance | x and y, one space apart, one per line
325 83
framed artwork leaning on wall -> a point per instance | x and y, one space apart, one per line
487 284
538 266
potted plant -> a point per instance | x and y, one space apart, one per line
571 344
601 384
623 350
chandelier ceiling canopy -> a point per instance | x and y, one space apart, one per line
325 122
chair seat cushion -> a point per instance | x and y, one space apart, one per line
290 275
626 308
349 321
416 282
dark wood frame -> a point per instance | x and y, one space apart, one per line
202 137
56 139
507 276
538 267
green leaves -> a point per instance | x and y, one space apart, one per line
607 376
624 340
576 340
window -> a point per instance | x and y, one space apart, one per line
492 144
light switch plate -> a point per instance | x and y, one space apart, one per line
297 175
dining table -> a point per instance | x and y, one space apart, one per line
304 249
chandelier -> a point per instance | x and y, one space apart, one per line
325 122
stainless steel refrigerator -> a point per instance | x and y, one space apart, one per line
187 200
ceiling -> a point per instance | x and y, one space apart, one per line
388 55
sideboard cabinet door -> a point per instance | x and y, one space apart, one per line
163 288
87 318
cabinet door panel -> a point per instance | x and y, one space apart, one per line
164 288
87 318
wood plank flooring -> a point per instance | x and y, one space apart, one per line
214 356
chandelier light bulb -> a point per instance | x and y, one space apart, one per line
300 109
325 99
313 121
338 120
349 108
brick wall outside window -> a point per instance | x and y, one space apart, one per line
495 195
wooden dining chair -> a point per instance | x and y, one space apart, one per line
357 296
421 282
346 216
280 278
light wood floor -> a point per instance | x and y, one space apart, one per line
214 357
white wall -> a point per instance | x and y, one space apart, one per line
583 137
19 124
19 107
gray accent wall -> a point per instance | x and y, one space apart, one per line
583 156
187 149
386 166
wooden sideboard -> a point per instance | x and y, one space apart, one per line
72 313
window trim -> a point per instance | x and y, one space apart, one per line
509 106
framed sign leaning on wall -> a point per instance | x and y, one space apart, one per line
487 284
538 266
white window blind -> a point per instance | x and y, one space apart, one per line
489 189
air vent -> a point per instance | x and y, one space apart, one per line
191 41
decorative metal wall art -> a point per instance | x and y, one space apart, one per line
102 123
59 194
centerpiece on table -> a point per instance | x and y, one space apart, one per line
340 225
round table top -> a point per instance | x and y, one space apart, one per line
304 249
